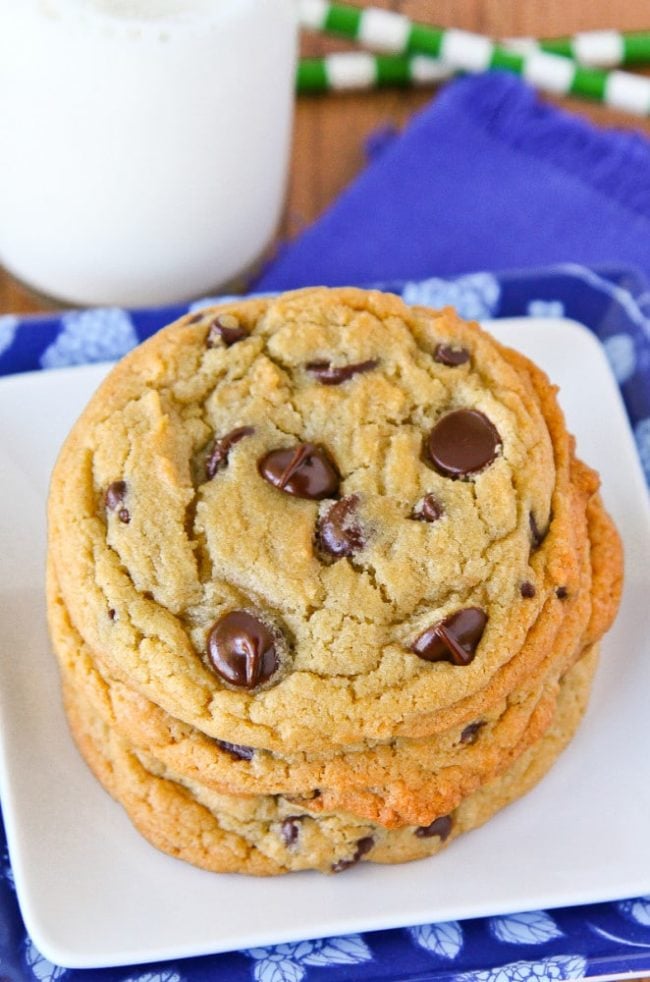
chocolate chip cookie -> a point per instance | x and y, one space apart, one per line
270 835
323 567
284 587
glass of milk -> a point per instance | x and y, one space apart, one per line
143 143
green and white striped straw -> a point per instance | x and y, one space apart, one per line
463 51
599 49
349 71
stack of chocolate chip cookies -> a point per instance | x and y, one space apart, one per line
326 581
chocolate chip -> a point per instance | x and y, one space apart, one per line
428 509
455 639
290 830
471 732
561 593
363 846
115 494
452 356
222 447
305 471
236 750
242 650
440 827
537 536
330 374
527 590
338 533
226 328
462 443
195 318
112 614
342 864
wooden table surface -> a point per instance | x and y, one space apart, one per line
330 130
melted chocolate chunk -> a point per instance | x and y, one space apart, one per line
305 471
527 590
364 846
226 328
115 494
236 750
222 447
455 639
471 732
342 864
462 443
561 593
290 830
537 536
336 374
447 354
242 650
440 827
428 510
112 614
338 532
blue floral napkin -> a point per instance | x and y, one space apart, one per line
485 177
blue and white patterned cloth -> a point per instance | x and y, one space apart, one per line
569 943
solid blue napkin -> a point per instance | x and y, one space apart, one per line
485 177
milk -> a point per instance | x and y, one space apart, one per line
143 143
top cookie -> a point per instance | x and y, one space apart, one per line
314 519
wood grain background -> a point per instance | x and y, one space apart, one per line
330 130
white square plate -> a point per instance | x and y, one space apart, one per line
93 893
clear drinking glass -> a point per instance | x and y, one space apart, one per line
143 143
